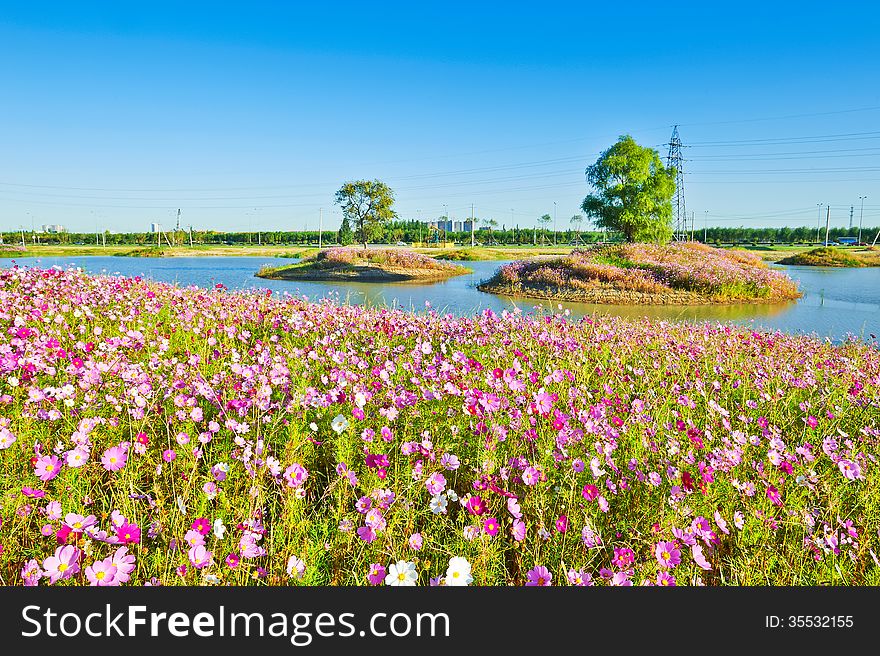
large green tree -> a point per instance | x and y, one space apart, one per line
633 192
367 204
346 236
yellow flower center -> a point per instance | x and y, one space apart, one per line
50 468
62 567
100 575
455 575
665 555
77 525
401 577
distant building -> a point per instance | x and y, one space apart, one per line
467 226
53 228
154 228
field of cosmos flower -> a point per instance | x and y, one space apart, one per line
158 435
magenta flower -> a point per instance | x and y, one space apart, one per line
127 533
31 573
539 576
590 492
47 468
623 557
667 554
232 560
102 572
376 574
168 455
202 525
562 524
63 565
475 505
773 495
490 526
114 458
366 533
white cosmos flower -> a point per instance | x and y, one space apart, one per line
458 572
219 528
438 504
181 505
403 572
339 424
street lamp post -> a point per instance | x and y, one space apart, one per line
861 212
706 228
818 221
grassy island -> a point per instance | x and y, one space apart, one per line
366 265
649 274
830 256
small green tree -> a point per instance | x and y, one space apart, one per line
545 220
367 203
346 236
633 192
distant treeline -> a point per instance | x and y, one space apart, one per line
413 231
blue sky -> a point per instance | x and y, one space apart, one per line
251 115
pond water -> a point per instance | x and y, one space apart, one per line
836 302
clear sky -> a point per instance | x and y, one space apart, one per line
250 115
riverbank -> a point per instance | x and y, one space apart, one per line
834 257
364 265
646 274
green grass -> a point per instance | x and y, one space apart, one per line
828 256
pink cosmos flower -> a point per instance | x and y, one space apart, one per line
168 455
114 458
579 578
376 574
76 457
850 469
47 468
78 523
436 483
194 538
667 554
199 556
530 476
63 565
513 508
621 579
416 541
562 523
699 558
295 475
539 576
665 579
125 564
623 557
31 573
518 530
102 572
232 560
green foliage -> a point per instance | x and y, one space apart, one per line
346 236
633 192
367 203
826 256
